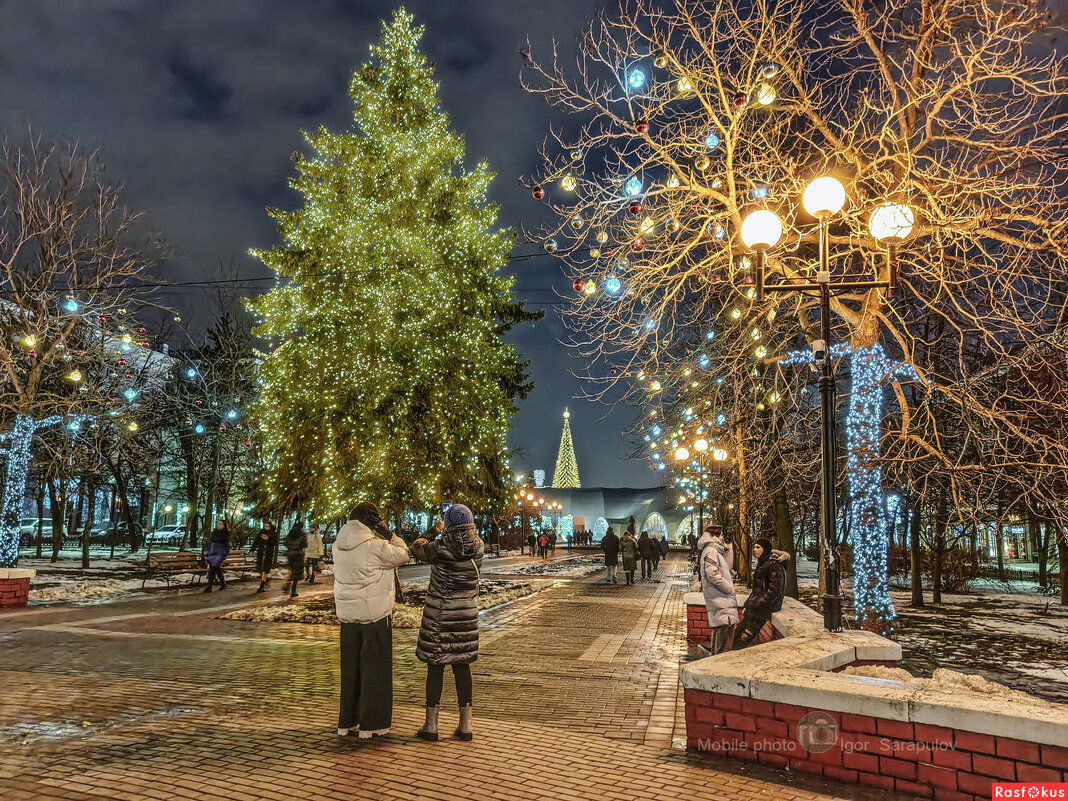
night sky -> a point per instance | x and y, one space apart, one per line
196 108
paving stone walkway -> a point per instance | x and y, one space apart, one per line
576 697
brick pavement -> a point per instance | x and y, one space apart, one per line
576 696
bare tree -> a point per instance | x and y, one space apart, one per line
696 115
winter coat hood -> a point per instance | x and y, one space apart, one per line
462 540
363 573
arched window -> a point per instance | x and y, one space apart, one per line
654 524
600 528
687 527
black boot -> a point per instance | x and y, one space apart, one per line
293 593
208 588
263 586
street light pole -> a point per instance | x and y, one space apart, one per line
832 598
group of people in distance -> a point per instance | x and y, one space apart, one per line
366 556
714 560
304 551
632 550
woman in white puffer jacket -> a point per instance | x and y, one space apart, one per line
365 556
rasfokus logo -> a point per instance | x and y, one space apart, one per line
1029 790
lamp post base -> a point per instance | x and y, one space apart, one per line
832 612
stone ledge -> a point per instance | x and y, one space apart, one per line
16 573
796 670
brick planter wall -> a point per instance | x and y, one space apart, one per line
14 591
937 762
698 632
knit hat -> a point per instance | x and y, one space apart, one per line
368 514
765 544
458 515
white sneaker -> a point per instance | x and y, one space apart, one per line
367 735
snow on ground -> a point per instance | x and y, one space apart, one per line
320 611
573 567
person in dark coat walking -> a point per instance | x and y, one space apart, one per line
217 550
296 543
769 587
448 634
610 546
647 550
628 549
265 547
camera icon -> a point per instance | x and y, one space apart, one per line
817 732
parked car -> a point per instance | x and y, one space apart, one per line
28 529
113 533
166 535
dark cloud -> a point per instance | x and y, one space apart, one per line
197 107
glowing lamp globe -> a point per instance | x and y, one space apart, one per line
765 94
701 445
824 197
682 454
761 230
719 454
891 221
636 79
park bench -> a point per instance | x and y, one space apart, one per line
172 564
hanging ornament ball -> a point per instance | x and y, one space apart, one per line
660 60
633 186
647 225
642 127
177 319
577 222
672 181
590 288
636 79
576 154
132 426
550 246
612 371
769 70
716 182
765 94
538 192
102 319
645 351
613 285
568 183
683 86
712 140
703 163
740 99
637 245
595 253
635 208
32 354
602 237
672 224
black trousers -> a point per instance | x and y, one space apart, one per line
752 623
435 682
215 573
366 675
647 568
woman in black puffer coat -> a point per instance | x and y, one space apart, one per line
769 587
449 631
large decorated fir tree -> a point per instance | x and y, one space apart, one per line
388 379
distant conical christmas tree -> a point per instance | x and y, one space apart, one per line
566 473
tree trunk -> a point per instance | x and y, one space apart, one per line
1062 554
916 552
938 549
1000 540
744 546
784 536
1034 529
18 462
90 488
59 514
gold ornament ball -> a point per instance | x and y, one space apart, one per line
765 94
602 237
568 183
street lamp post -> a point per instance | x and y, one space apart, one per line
719 455
761 230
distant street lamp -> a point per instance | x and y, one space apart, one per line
719 455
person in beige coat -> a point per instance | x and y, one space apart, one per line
365 558
313 554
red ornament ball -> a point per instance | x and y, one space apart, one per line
613 371
635 208
538 192
642 126
32 354
741 99
579 285
637 245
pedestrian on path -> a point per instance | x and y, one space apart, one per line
296 542
769 587
265 547
628 549
721 600
543 545
610 546
365 558
448 634
532 543
313 553
646 549
217 550
662 547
